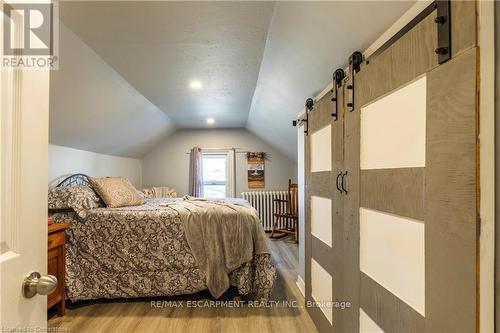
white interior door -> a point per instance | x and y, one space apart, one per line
23 196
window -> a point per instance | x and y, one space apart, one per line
218 174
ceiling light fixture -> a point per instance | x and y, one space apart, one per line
210 121
195 85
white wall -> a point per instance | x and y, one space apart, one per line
65 161
302 216
497 160
168 163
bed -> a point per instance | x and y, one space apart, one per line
164 247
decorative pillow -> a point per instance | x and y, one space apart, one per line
117 192
80 198
147 193
159 192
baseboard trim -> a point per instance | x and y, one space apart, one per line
301 285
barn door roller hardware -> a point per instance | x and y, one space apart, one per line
305 120
355 61
338 76
443 21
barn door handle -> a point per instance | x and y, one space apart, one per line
343 187
337 183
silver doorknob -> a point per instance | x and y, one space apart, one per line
34 283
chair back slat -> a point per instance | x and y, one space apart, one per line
293 198
288 216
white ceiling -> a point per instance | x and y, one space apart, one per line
160 46
93 108
306 43
258 62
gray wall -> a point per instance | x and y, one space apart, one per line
93 108
168 163
64 161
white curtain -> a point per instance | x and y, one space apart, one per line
196 172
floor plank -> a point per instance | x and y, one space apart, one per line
137 315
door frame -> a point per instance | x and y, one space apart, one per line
497 164
301 199
486 283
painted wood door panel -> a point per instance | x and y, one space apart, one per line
398 191
392 254
393 128
450 196
463 26
351 214
389 312
318 229
337 257
321 288
367 325
321 219
321 151
440 190
427 189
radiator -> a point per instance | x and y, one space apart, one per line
262 201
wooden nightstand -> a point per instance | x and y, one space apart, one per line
57 265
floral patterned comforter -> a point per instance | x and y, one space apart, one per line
142 251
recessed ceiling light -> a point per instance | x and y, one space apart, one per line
195 85
210 121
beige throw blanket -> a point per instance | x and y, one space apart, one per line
223 235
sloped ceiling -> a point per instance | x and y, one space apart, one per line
93 108
160 46
306 43
258 62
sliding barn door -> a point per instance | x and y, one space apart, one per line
391 213
324 211
412 212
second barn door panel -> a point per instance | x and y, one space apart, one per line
324 161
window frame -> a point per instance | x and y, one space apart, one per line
229 183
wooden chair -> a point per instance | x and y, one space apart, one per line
286 216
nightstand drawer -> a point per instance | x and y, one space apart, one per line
56 240
56 264
52 269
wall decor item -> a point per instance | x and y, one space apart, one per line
255 161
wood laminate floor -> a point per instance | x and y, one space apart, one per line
139 315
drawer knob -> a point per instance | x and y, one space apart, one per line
34 283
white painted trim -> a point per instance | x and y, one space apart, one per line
486 28
11 132
230 167
301 198
301 285
409 15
